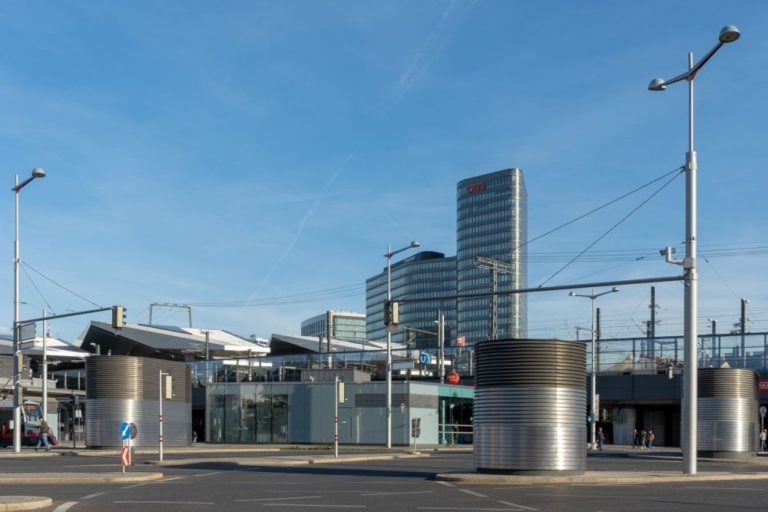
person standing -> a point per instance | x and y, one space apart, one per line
651 437
643 437
600 439
42 437
635 439
763 438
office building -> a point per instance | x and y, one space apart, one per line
491 222
345 325
425 274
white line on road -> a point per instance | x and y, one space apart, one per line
310 505
473 493
279 499
171 479
393 493
522 507
207 474
91 496
447 484
469 508
725 489
166 502
134 485
65 506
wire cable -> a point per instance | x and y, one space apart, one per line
34 285
33 269
631 212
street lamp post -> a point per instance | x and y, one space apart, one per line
728 34
593 395
36 173
389 255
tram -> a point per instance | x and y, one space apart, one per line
31 414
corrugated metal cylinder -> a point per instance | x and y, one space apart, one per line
127 389
728 422
530 407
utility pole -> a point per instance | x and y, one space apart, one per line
328 334
597 338
743 330
495 266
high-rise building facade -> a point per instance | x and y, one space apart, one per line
426 274
345 325
491 223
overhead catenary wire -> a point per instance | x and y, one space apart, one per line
614 226
33 269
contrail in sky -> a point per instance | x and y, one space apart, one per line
304 219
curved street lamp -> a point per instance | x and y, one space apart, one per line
36 173
728 34
593 377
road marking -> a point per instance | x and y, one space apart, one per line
65 506
467 508
279 499
473 493
596 496
310 505
91 496
134 486
447 484
393 493
522 507
726 489
171 479
207 474
167 502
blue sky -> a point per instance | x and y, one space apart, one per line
234 152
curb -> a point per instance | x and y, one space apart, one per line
12 503
593 477
76 478
286 461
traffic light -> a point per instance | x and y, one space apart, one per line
118 317
391 313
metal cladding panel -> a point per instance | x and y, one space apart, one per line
104 416
727 411
127 389
136 378
736 382
529 409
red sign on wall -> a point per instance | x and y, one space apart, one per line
474 188
763 386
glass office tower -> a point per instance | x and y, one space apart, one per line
345 325
491 222
426 274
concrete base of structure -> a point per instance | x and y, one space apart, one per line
709 454
530 472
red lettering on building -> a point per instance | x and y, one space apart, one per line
474 188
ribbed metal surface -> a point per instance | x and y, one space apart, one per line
529 409
126 389
727 412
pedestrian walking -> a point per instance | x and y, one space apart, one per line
643 437
763 438
635 439
600 439
42 437
651 437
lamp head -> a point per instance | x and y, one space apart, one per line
657 84
415 243
38 173
729 34
572 294
614 289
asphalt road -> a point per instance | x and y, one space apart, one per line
393 485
